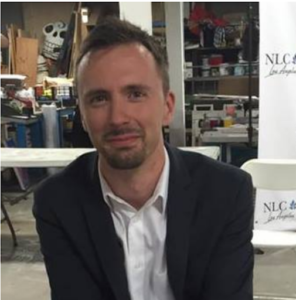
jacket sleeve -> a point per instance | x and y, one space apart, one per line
230 273
68 278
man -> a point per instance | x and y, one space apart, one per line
139 219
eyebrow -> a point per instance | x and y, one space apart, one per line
94 92
130 87
133 87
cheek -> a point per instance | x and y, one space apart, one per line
154 120
94 123
148 115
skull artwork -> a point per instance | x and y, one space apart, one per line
42 69
54 37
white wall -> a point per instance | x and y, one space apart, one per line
175 48
138 13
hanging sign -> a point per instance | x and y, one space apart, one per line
277 108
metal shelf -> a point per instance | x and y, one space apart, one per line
216 78
195 47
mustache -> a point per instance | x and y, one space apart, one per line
113 132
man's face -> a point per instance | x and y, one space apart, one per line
123 105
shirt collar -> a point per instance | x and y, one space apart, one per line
160 194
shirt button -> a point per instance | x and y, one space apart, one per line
138 266
135 219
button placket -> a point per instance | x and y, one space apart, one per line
136 255
136 241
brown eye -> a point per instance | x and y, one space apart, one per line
136 95
98 99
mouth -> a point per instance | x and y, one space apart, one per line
123 140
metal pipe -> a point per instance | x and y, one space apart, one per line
272 298
250 50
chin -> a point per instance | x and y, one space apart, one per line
125 163
124 158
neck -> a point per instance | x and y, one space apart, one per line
135 186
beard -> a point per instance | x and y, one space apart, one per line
124 158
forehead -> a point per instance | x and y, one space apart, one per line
117 64
125 53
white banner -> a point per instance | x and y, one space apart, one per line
277 111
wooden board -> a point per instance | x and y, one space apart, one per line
9 53
12 46
5 69
80 33
20 33
23 33
14 28
26 59
75 42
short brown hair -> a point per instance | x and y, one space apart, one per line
111 31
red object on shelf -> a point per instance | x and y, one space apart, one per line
199 15
215 60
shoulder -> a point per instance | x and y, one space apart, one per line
221 191
211 169
76 176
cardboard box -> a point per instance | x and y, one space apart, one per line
238 86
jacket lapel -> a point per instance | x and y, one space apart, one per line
180 210
105 238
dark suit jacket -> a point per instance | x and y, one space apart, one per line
209 231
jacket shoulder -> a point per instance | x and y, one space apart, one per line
68 181
212 169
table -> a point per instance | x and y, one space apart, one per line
61 157
224 138
211 151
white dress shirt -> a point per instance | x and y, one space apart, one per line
143 233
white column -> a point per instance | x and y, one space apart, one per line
175 48
138 13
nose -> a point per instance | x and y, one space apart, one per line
118 111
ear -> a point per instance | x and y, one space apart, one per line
83 121
169 109
81 117
83 124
